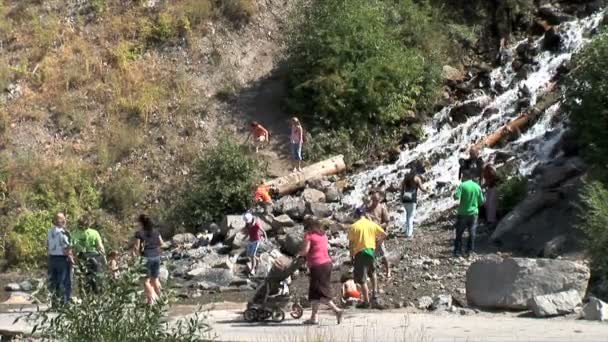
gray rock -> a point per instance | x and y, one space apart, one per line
554 304
313 196
226 264
182 239
333 194
294 207
319 184
281 222
425 302
452 74
163 274
512 282
595 310
320 210
198 253
12 287
231 225
213 276
291 242
442 302
26 286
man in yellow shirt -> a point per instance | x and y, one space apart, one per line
362 237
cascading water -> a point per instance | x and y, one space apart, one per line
444 143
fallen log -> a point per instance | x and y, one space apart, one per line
297 180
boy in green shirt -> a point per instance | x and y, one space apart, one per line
471 198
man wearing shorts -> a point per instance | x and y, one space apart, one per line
254 231
362 239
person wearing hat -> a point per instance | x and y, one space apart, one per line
362 237
254 231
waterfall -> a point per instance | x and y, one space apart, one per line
445 144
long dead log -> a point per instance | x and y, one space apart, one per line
297 180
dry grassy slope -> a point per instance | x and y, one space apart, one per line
88 90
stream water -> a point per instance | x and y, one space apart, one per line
447 142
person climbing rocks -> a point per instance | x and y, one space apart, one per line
474 164
376 211
471 198
254 231
148 242
90 252
315 250
59 262
260 135
297 141
261 196
412 183
490 183
362 237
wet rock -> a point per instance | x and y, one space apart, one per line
510 283
554 15
320 210
595 310
461 112
332 194
294 207
424 303
442 302
554 174
182 239
490 111
554 304
554 247
313 196
552 40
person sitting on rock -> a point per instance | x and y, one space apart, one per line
254 231
260 135
362 237
351 291
471 198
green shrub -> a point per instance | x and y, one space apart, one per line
26 243
123 193
586 100
511 192
594 223
223 182
118 314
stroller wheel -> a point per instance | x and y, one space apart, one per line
250 315
297 311
278 315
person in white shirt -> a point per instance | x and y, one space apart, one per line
60 263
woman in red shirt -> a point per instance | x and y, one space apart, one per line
315 249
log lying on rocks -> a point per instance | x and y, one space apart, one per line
297 180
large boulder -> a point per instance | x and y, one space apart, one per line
595 310
183 239
333 194
318 184
461 112
320 210
554 304
313 196
291 242
292 206
231 225
450 73
510 283
281 222
217 277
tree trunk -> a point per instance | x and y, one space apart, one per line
297 180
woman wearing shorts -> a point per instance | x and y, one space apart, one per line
315 249
148 243
254 230
297 140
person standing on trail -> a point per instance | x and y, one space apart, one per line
296 140
362 238
376 211
409 197
254 231
315 248
471 198
59 264
150 241
90 252
474 164
260 135
490 182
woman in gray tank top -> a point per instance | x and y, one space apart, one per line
148 243
409 196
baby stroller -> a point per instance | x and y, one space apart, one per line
272 298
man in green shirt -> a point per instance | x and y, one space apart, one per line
471 198
90 252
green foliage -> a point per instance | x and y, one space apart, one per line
355 62
119 314
511 192
122 193
586 100
594 223
167 28
223 182
26 242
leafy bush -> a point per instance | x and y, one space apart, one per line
586 100
26 242
122 193
360 62
223 181
511 192
118 314
594 223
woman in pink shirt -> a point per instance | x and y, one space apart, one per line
315 249
297 140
